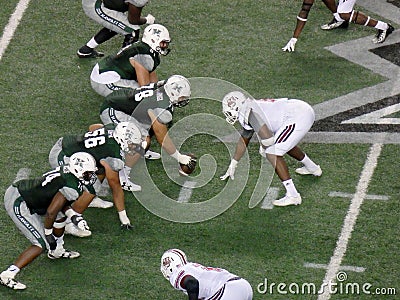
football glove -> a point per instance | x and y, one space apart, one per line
80 222
290 45
51 240
181 158
150 19
231 170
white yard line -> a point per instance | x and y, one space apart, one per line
186 191
342 268
367 197
350 220
12 25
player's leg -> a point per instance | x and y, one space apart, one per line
31 227
89 49
292 196
336 21
58 231
310 167
346 12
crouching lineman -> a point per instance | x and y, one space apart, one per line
200 282
105 144
28 200
280 124
152 107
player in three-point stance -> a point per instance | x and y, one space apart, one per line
200 282
280 124
39 207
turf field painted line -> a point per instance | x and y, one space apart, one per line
367 197
342 268
350 219
12 25
272 194
186 191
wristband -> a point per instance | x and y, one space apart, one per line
48 231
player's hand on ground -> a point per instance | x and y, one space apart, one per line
150 19
231 170
290 45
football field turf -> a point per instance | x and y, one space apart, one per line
345 232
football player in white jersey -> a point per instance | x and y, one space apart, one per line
342 15
280 124
200 282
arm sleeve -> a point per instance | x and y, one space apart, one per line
145 60
116 164
191 285
247 133
163 116
69 193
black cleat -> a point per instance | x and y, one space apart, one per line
382 35
86 52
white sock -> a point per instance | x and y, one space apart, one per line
92 43
13 269
337 17
381 25
308 163
60 242
290 188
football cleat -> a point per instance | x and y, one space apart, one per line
7 280
305 171
89 54
152 155
128 185
62 253
335 24
287 200
382 35
100 203
71 229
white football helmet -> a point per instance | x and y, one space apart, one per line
232 104
129 138
177 88
171 260
83 166
153 35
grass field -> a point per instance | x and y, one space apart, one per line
46 93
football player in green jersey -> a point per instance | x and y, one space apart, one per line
151 106
108 145
39 207
118 17
134 65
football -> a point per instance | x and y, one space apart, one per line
186 170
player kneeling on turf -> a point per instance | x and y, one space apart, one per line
200 282
28 200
